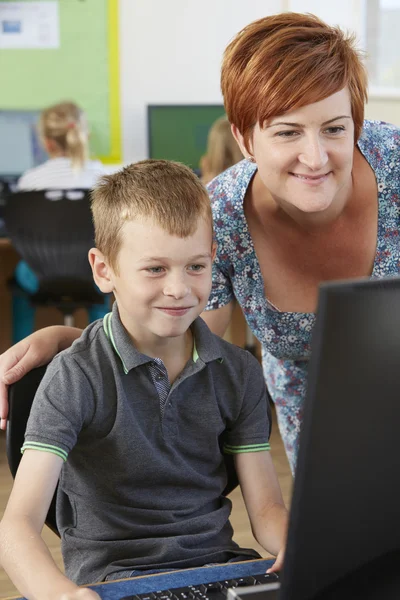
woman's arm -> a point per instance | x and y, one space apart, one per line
218 319
35 350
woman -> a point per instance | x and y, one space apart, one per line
316 199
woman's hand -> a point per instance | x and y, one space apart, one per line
35 350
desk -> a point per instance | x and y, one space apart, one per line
114 590
8 261
44 316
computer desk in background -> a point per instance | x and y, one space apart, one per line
8 261
114 590
44 317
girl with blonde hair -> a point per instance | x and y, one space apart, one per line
64 133
222 150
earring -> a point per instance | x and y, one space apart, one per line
251 159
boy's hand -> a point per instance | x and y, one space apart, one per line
278 564
81 594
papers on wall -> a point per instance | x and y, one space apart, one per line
29 25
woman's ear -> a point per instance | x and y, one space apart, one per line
213 251
102 272
247 152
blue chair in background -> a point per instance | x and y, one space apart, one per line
52 230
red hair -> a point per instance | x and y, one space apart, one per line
285 61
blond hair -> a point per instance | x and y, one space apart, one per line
222 150
165 191
65 124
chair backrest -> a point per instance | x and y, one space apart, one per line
21 395
52 230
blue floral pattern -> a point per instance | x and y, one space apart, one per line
286 337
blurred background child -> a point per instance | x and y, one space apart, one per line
222 150
64 134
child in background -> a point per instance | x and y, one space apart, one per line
64 134
222 151
134 418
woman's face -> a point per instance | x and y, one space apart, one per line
305 156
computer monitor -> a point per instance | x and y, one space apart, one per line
344 532
179 132
20 148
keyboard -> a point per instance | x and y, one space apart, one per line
216 590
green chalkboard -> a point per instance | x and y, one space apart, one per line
179 132
81 69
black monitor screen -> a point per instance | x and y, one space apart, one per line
179 132
344 531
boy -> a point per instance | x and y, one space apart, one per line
140 406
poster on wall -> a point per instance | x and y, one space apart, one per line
34 25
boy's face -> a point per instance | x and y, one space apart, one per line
164 281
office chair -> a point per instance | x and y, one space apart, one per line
52 230
7 185
20 398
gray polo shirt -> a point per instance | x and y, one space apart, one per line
144 472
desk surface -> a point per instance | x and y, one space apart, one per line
114 590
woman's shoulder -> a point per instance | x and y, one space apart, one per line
378 140
227 190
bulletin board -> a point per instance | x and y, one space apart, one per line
84 69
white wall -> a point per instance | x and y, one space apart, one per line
171 52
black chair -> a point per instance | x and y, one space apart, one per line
52 230
7 185
20 399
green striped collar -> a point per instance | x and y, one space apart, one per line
130 357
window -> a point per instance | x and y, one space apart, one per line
382 27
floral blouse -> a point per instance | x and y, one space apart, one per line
286 337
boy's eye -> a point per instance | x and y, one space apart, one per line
196 268
155 269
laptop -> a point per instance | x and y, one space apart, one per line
344 527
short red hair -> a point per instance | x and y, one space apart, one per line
285 61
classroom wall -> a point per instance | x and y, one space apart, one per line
170 52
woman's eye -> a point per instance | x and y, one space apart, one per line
335 130
287 134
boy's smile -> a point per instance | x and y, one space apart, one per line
163 281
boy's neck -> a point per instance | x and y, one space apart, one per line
174 351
